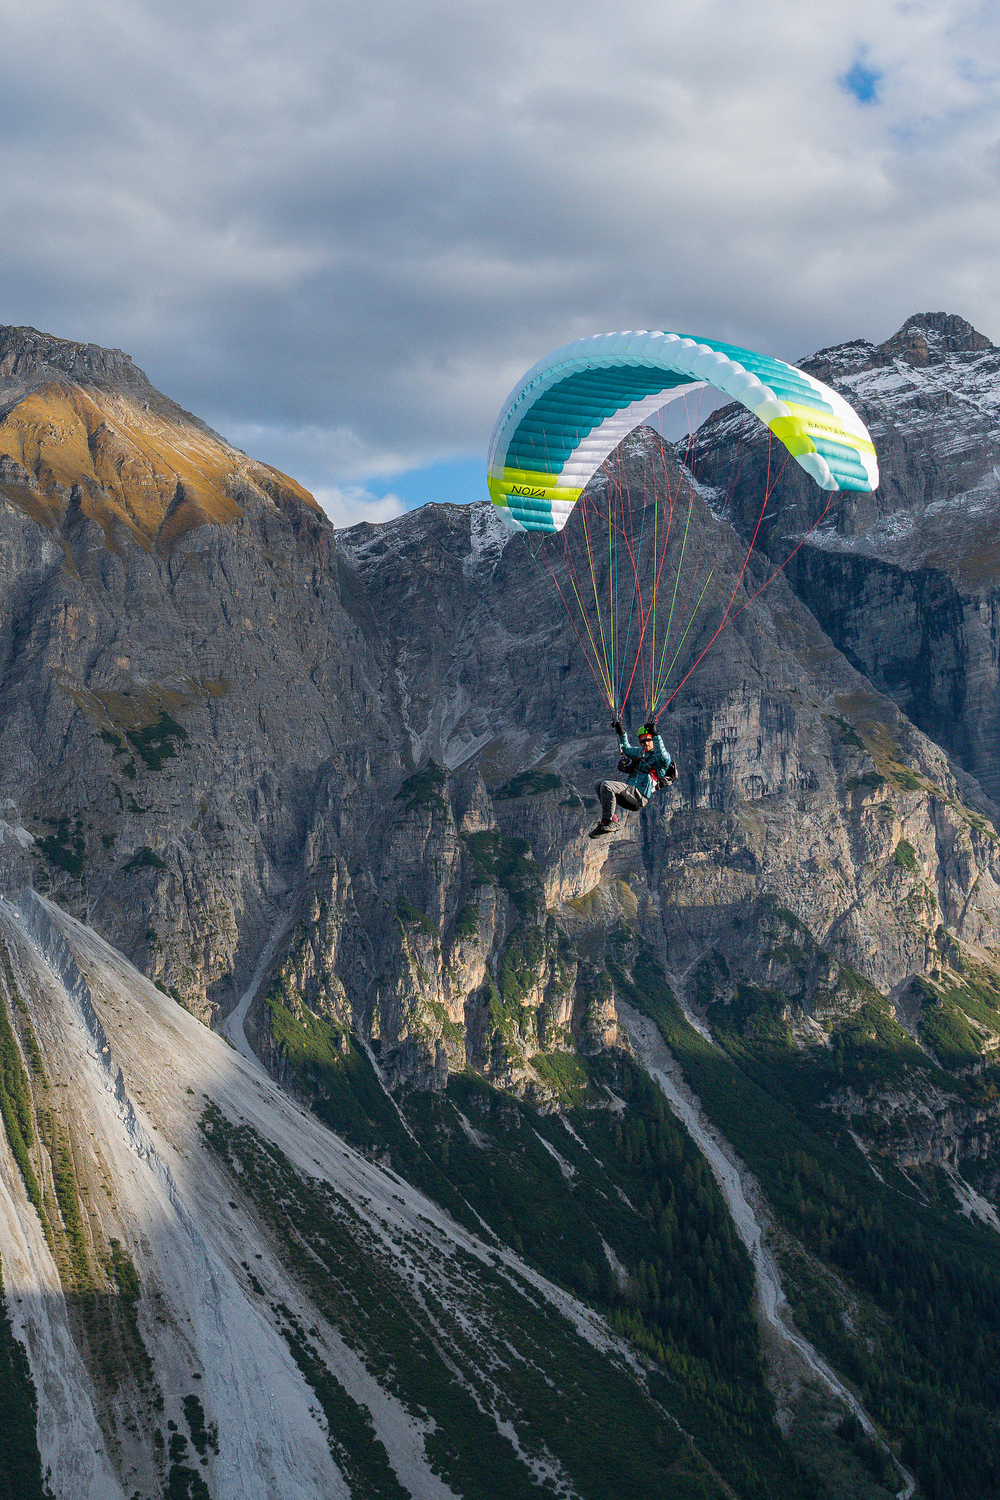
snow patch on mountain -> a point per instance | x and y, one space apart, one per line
489 536
916 397
949 528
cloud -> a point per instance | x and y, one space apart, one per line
341 233
350 504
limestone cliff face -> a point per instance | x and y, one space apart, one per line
378 751
905 580
177 675
82 430
800 789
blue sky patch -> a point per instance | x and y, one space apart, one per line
862 82
454 482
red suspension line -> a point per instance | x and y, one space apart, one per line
746 561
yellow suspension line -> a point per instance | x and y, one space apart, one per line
673 601
597 602
690 622
597 659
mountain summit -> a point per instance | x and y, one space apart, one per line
924 339
29 358
559 1135
928 339
83 428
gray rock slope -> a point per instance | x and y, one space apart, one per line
377 750
905 580
331 793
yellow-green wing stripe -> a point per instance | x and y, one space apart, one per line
572 409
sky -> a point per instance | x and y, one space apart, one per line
340 233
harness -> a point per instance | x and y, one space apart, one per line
630 764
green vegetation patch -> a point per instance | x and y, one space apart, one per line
183 1481
761 1017
126 1277
114 1324
567 1074
66 848
946 1013
16 1109
497 860
870 1050
157 742
357 1451
871 780
314 1048
409 915
425 789
528 784
948 1034
905 856
20 1460
64 1178
144 859
521 968
204 1436
467 923
848 734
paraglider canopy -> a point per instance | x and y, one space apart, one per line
574 407
638 597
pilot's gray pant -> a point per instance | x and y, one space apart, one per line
611 792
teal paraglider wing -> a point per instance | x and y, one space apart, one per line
575 406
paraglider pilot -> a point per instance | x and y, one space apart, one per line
646 767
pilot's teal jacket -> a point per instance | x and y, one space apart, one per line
657 760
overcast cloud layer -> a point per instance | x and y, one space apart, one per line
341 233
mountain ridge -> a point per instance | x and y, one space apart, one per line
924 339
30 358
83 427
330 792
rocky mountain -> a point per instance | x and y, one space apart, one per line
905 580
328 795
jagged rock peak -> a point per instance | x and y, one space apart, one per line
30 360
26 354
928 338
924 339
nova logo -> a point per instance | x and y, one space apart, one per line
523 489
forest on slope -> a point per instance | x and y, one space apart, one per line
338 786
